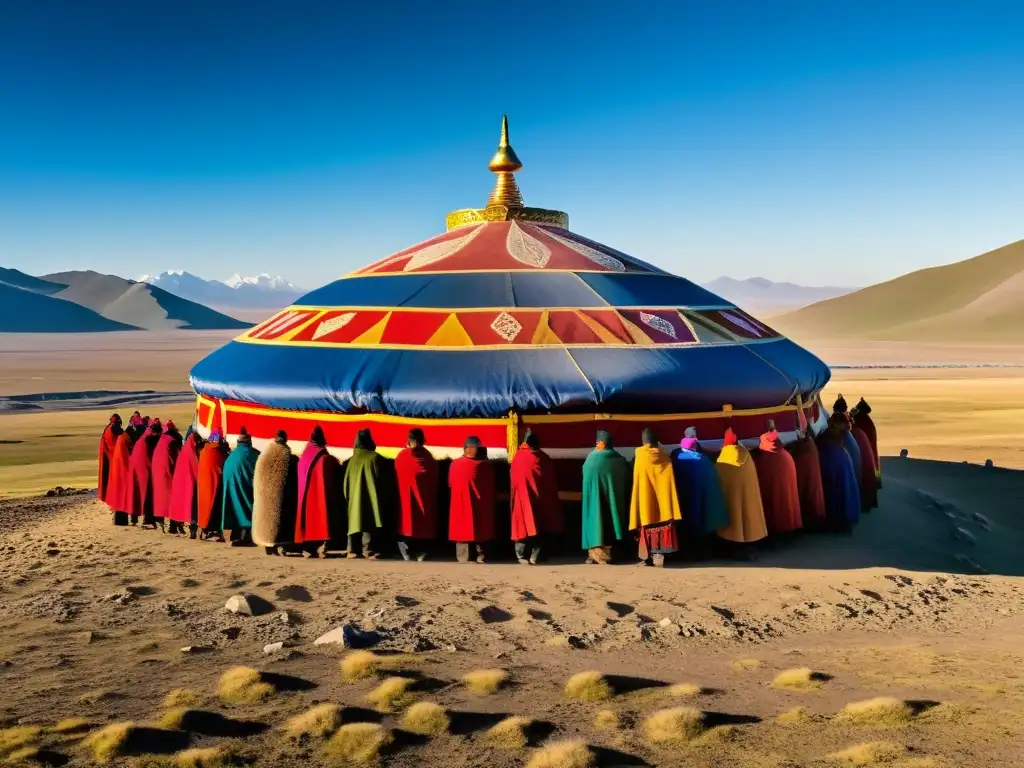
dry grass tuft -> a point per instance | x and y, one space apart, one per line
678 724
883 711
18 737
588 686
607 720
27 756
745 665
426 719
174 719
71 726
206 757
720 734
243 685
870 753
563 754
359 742
108 743
798 679
486 681
360 665
182 697
510 733
318 723
796 716
392 694
684 690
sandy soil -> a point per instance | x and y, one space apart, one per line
95 619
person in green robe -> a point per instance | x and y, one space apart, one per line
239 470
363 487
605 499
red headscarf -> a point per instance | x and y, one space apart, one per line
730 437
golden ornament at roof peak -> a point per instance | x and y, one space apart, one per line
505 164
506 201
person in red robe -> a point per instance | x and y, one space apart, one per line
862 419
776 477
184 499
417 475
318 519
108 440
804 451
161 475
471 514
140 500
866 470
536 508
121 475
209 487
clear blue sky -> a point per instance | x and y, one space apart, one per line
825 143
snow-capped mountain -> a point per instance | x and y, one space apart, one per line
237 292
262 281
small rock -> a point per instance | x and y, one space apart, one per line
285 618
50 494
245 604
273 647
349 635
904 453
450 648
423 644
665 623
500 655
193 649
576 642
119 597
52 552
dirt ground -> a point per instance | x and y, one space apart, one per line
924 603
95 619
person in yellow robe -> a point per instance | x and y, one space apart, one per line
654 508
738 476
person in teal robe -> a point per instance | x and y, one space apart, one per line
605 499
363 486
239 470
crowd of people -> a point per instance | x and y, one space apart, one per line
152 475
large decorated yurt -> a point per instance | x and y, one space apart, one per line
507 321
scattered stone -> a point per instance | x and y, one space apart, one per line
450 648
53 551
350 636
231 633
194 649
500 655
422 645
246 604
119 597
665 623
87 637
273 647
285 618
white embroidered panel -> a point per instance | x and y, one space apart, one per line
333 324
601 259
525 248
659 324
743 323
506 326
438 251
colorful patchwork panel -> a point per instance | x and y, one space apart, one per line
739 323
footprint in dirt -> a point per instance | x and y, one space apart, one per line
621 609
294 592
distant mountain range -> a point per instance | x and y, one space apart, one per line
237 292
979 300
763 297
79 302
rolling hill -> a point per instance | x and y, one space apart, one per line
27 311
138 304
980 300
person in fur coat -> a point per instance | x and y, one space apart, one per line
275 493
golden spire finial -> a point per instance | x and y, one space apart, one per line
505 164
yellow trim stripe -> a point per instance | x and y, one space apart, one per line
572 418
448 310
